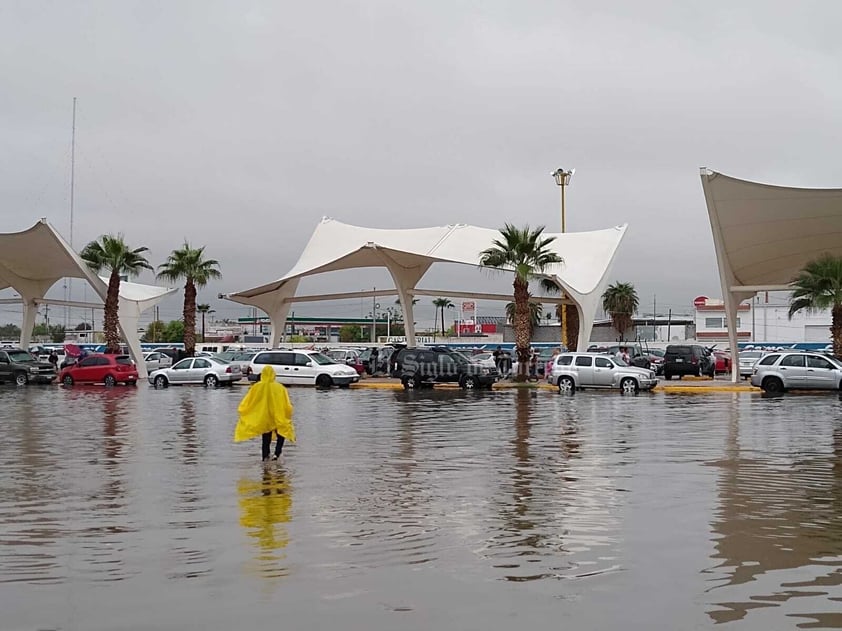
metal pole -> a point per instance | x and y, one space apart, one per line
374 315
669 323
563 322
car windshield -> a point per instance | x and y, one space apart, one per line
124 359
322 360
751 354
21 357
618 361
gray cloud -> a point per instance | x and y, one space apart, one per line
239 125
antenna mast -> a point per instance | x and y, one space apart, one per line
68 288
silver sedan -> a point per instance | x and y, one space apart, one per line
208 371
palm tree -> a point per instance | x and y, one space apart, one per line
536 310
525 252
442 303
189 263
111 252
571 319
620 301
203 309
819 287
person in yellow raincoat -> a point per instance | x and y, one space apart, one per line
266 410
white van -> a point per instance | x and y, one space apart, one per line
212 347
306 368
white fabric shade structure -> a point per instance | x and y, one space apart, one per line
33 260
408 254
764 235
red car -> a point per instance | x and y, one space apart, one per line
100 368
723 361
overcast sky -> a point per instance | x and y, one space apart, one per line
238 125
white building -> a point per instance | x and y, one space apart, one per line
764 319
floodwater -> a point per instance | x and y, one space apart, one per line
132 509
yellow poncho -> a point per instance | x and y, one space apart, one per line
265 408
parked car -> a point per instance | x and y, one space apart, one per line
778 372
571 371
722 361
348 357
209 371
155 360
22 367
303 367
426 366
747 361
100 368
243 358
687 359
485 358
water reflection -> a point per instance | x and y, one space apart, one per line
265 506
778 529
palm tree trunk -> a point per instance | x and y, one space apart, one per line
522 326
572 322
836 329
111 319
442 321
189 318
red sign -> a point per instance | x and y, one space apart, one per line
700 301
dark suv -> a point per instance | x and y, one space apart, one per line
426 366
688 359
21 367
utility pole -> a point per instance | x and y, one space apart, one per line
654 317
669 322
374 307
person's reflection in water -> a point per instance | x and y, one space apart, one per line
265 506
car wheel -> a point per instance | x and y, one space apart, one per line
469 383
772 385
629 386
566 385
324 381
21 378
211 381
416 382
110 381
160 381
668 376
68 380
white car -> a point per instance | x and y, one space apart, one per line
571 371
747 361
205 370
155 360
306 368
485 359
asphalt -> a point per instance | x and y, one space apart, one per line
692 385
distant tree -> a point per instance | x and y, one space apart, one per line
350 333
173 331
111 252
442 304
57 334
191 265
83 326
568 314
536 310
620 301
819 287
204 309
154 332
10 331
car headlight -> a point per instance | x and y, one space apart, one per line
484 371
33 369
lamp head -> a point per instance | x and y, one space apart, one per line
562 177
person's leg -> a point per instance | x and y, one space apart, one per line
278 446
267 442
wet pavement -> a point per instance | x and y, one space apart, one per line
131 508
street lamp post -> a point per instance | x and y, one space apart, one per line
562 178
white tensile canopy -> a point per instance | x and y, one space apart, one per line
409 253
33 260
764 235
